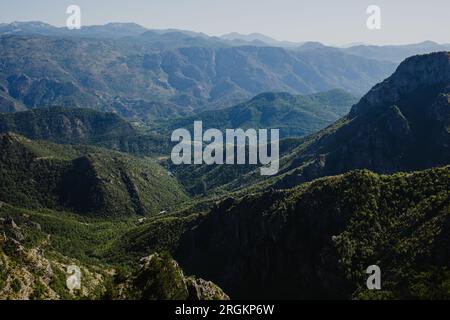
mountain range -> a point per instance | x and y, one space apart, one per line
161 74
409 111
291 239
135 79
85 179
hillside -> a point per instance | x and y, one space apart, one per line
315 241
294 115
401 124
65 125
84 126
31 270
82 179
37 248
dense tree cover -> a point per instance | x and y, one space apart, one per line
293 115
316 240
87 180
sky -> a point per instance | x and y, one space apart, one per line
334 22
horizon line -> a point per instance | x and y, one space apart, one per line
300 43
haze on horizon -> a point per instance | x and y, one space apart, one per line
328 21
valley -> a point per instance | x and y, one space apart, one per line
86 177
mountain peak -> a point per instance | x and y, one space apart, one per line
248 37
312 45
420 71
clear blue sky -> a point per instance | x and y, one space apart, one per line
328 21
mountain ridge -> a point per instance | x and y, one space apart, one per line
293 115
397 133
137 80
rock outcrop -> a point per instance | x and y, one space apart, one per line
161 278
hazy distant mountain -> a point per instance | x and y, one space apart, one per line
113 30
164 75
258 37
313 45
189 33
31 27
110 30
161 74
174 38
395 53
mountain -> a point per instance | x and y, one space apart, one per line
309 232
402 124
395 53
109 30
83 179
30 27
7 103
175 39
65 125
317 240
294 115
259 38
84 126
137 79
314 45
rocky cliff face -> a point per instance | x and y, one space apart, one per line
161 278
415 73
31 269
